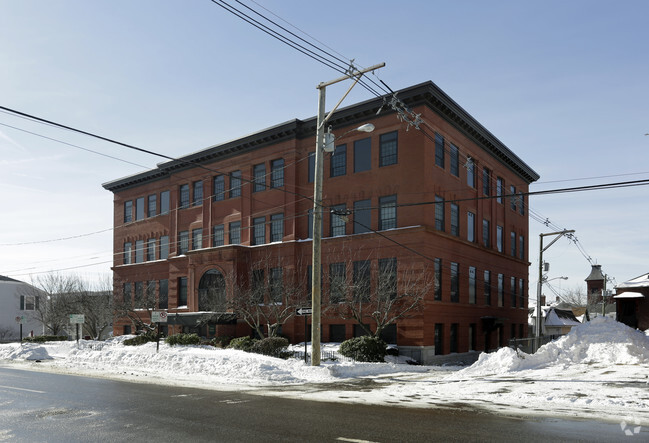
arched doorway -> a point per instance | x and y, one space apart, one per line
211 292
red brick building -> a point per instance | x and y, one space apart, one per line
447 199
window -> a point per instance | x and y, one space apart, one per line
235 233
472 336
439 150
197 238
139 208
164 202
362 216
437 284
470 226
455 160
259 177
455 220
513 290
472 285
127 253
455 282
337 223
439 213
512 197
453 337
275 285
487 288
150 294
276 227
486 181
337 283
182 291
28 302
486 228
311 167
499 238
470 172
361 281
127 294
218 237
388 149
521 292
512 242
164 247
277 173
387 212
219 188
128 211
163 294
521 247
197 198
258 286
152 205
309 223
501 290
138 301
439 338
150 249
362 155
184 196
499 190
387 279
521 201
258 230
235 184
339 161
183 242
139 251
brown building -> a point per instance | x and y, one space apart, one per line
447 200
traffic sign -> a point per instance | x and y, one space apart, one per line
78 319
20 319
158 316
304 311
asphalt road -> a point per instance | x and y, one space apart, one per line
46 407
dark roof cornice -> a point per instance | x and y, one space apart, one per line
427 93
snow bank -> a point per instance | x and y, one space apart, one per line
601 340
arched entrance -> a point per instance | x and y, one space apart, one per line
211 292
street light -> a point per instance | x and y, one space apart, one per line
321 141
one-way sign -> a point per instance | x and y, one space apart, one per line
304 311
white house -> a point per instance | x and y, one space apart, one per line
16 308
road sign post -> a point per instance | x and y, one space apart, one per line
305 312
20 320
77 319
158 317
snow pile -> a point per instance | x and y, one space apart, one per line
29 351
602 340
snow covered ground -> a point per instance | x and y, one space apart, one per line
598 371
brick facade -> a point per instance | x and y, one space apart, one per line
273 213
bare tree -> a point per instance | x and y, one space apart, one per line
135 302
96 304
268 296
575 297
53 298
4 332
398 292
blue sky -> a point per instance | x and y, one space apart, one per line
562 83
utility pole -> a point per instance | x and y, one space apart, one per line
540 284
316 266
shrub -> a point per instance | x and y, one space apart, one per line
242 343
273 346
44 338
366 348
221 342
183 339
141 339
